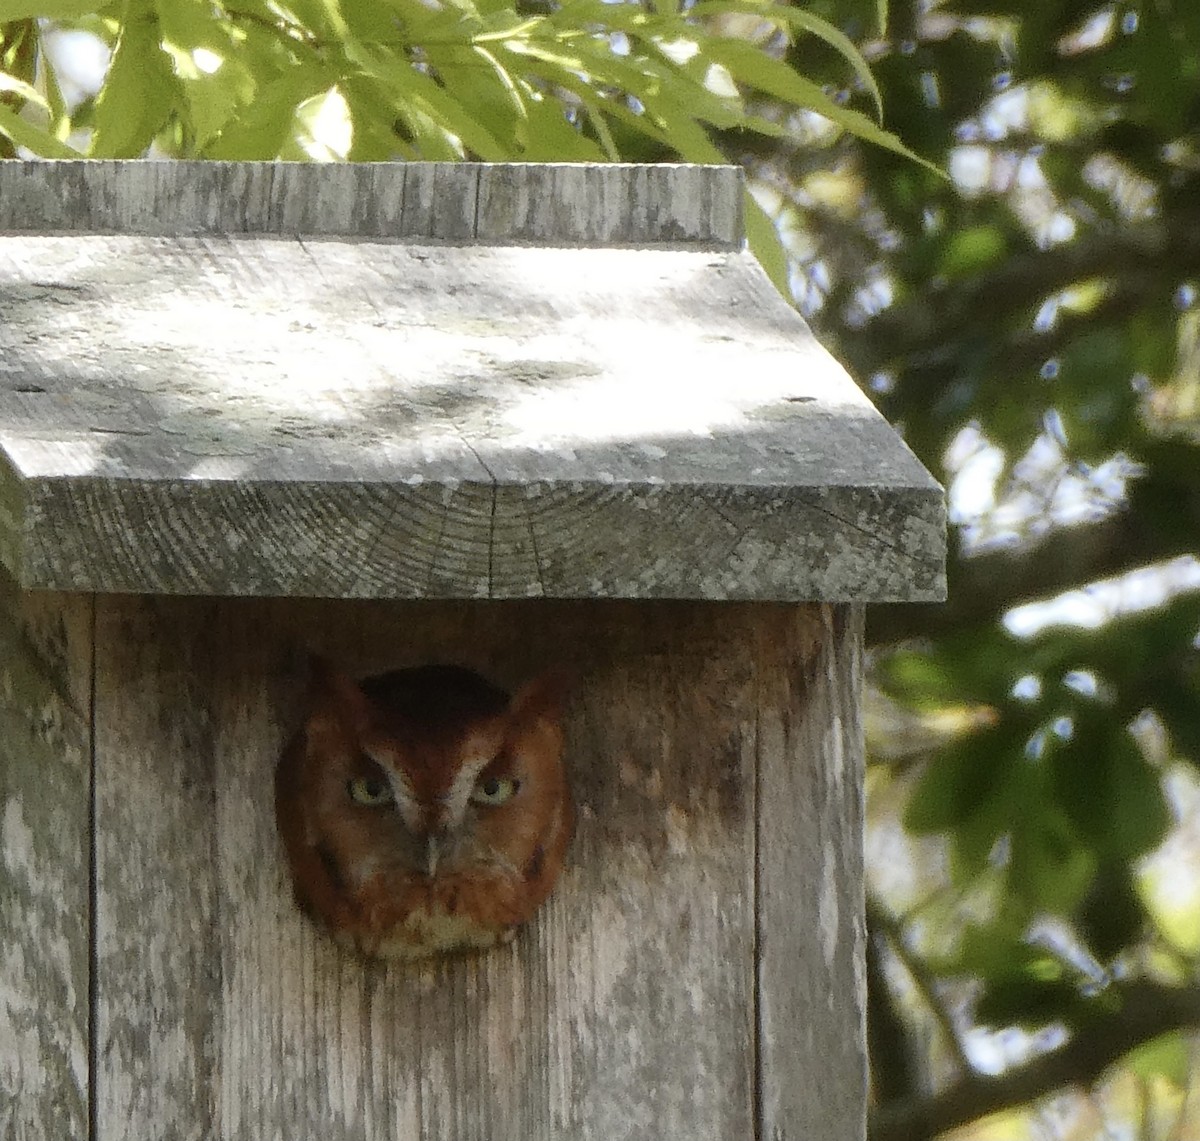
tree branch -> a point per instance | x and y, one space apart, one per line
1160 522
1147 1011
881 920
893 1072
1020 284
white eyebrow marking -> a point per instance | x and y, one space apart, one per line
402 789
460 791
408 805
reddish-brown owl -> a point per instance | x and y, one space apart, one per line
424 810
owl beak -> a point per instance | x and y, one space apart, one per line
432 851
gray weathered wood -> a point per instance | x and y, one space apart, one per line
222 415
45 790
812 929
157 925
626 1010
551 203
436 382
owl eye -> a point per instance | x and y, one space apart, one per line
494 790
369 791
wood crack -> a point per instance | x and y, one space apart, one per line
875 538
492 516
93 950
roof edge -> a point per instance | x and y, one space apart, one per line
587 204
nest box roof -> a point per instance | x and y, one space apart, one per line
429 380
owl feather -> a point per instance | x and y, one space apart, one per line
423 810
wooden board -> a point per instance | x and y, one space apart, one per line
287 416
812 944
551 203
158 943
45 857
626 1010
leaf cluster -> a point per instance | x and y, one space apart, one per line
372 80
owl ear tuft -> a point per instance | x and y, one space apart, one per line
544 696
332 691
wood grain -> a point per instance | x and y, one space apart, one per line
45 855
551 203
156 925
415 420
812 928
627 1009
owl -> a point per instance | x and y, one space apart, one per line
424 810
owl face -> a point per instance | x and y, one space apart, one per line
423 810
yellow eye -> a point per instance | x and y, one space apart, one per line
369 791
494 790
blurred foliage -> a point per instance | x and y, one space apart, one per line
1033 326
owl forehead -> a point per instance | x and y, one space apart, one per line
432 762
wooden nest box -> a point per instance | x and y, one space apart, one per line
501 416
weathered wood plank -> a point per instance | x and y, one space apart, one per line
503 202
157 923
811 954
626 1010
582 204
421 421
441 200
45 855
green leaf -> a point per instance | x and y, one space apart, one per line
924 680
688 138
428 107
502 30
322 18
974 838
1177 702
24 90
998 948
763 238
760 71
1016 999
1112 914
1051 867
554 69
961 777
801 20
139 91
370 19
1168 1056
210 99
594 59
484 87
623 17
260 129
48 9
190 24
60 120
599 124
1111 794
33 138
1136 803
972 250
546 135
